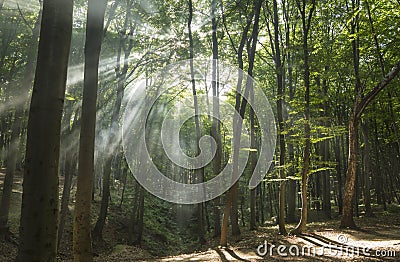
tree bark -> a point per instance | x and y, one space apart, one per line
241 107
366 171
39 211
215 126
306 22
253 163
16 136
324 148
198 172
121 75
82 241
281 123
338 174
292 192
347 212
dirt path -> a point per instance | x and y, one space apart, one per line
378 234
378 240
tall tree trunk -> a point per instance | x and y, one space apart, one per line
136 221
359 106
324 149
140 220
306 22
292 192
70 165
253 163
82 241
261 201
39 211
367 170
121 74
199 173
380 197
281 123
338 174
16 136
68 161
124 181
241 107
253 142
347 212
232 195
215 126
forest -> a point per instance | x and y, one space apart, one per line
199 130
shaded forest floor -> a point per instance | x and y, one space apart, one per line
380 233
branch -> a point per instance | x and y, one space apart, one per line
226 28
23 17
111 16
310 15
372 94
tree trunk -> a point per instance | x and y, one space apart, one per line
253 163
16 136
105 198
306 21
281 123
359 107
215 126
241 107
198 172
367 170
253 225
347 212
232 195
124 181
235 213
338 174
39 211
261 199
82 242
292 192
324 148
135 207
121 74
70 165
140 216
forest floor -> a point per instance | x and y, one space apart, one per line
380 234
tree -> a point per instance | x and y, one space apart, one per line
281 124
121 71
12 153
289 28
233 193
82 242
215 126
70 161
200 171
306 23
355 118
39 211
241 107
